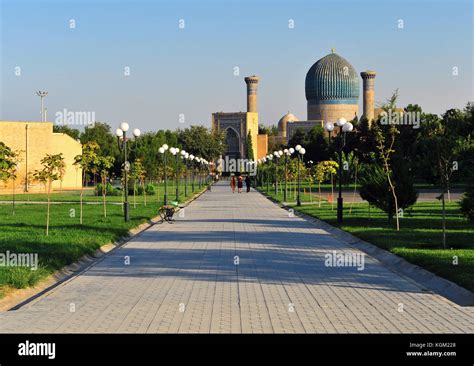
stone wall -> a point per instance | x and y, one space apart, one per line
33 140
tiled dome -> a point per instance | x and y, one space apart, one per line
332 79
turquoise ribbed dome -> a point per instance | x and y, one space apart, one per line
332 80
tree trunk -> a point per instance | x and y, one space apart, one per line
13 199
443 202
47 214
82 194
319 191
355 190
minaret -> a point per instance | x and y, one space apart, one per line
252 82
368 94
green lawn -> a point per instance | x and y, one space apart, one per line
420 237
90 195
24 232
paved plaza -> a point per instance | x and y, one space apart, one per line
236 263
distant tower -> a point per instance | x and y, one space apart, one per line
252 82
368 78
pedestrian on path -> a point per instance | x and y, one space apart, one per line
232 183
248 183
240 183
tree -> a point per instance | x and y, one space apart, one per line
101 134
138 173
385 141
375 189
200 141
86 161
9 161
249 151
52 164
67 130
104 163
323 171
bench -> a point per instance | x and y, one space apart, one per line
166 213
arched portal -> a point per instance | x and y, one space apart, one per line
232 141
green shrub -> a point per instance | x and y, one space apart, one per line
150 189
110 190
467 203
138 190
375 189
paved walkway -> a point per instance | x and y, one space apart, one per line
183 278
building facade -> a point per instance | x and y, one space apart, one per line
238 125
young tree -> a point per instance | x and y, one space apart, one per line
104 163
9 161
385 141
52 164
138 174
324 170
16 159
86 161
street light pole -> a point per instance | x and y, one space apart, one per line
185 156
121 133
163 150
301 151
175 152
42 94
344 127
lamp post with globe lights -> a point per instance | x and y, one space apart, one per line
287 153
163 149
269 159
175 152
121 134
185 156
277 154
344 127
191 159
301 151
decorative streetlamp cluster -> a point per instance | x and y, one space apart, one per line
344 127
121 134
189 161
276 156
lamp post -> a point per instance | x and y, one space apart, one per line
185 156
42 94
121 134
163 150
175 152
288 153
301 151
344 127
270 159
191 158
277 155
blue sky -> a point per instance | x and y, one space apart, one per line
190 71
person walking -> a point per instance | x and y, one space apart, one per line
240 183
232 183
248 183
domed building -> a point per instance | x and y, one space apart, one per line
283 122
332 89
